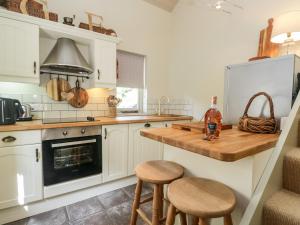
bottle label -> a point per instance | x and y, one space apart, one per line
212 127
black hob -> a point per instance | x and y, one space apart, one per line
68 120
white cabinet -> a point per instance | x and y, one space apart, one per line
114 151
19 51
104 63
20 175
140 148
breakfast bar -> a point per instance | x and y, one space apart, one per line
236 159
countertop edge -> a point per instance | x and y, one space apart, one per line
221 156
38 125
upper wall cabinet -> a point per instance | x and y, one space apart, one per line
19 51
104 64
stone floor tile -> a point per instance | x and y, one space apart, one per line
131 189
113 198
19 222
100 218
84 208
54 217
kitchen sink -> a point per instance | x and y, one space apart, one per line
166 115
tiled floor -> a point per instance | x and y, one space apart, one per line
112 208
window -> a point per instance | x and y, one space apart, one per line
131 81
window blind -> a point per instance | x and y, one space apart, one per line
131 70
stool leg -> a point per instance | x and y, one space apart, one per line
161 201
171 215
203 222
136 202
156 205
195 220
228 220
182 218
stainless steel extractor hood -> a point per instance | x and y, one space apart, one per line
65 58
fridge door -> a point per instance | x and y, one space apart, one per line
273 76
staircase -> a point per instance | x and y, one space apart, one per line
283 208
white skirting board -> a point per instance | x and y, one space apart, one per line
20 212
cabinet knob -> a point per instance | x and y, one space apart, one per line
9 139
83 131
65 133
34 67
99 73
147 125
105 133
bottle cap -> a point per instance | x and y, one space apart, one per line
214 100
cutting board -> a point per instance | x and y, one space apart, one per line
197 127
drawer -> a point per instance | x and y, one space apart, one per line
15 138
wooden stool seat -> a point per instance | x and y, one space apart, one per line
201 197
159 171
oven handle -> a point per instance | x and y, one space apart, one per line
73 143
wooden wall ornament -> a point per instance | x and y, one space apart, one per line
266 49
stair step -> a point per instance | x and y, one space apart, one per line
291 171
282 209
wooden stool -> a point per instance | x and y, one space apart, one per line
157 173
202 198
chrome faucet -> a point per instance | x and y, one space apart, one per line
159 103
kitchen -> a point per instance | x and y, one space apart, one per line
41 188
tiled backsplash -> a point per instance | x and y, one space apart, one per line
175 106
44 107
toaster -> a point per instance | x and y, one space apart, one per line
10 111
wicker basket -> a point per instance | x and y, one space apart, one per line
259 124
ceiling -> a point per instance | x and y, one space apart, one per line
164 4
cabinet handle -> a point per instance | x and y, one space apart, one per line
34 67
105 133
37 155
147 125
9 139
166 125
99 73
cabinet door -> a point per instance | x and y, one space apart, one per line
115 151
105 64
142 149
19 51
20 175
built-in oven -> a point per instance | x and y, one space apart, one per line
71 153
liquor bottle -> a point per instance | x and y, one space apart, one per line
213 121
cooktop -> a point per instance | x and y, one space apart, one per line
68 120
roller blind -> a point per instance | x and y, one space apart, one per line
131 70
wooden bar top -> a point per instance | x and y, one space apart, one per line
232 145
38 124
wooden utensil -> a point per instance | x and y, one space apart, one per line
80 98
57 86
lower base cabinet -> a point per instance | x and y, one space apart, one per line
114 151
142 149
20 175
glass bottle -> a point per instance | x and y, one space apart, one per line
213 121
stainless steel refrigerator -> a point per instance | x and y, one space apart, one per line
278 77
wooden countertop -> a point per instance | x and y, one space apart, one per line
38 124
232 145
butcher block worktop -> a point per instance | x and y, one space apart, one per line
38 124
232 145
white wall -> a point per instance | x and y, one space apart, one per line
205 41
143 28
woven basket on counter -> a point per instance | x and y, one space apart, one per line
259 124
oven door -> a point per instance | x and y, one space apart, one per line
72 158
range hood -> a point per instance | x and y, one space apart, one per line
65 58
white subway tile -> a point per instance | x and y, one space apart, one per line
32 98
98 113
81 114
37 107
60 107
37 115
68 114
51 114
